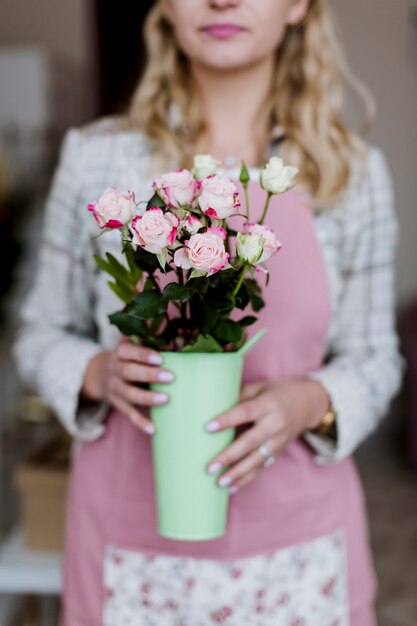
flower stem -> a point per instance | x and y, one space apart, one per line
240 281
247 202
261 221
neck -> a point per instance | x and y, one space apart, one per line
232 103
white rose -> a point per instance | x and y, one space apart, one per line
276 177
249 248
204 165
270 242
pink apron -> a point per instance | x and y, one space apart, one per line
111 497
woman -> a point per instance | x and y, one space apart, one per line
239 79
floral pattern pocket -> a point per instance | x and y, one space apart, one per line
303 585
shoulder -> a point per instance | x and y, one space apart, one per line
103 139
365 211
372 195
106 126
372 175
369 193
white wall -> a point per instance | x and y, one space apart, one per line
63 30
62 25
381 41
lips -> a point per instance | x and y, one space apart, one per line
222 31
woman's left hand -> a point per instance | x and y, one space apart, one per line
277 412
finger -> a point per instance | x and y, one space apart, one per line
135 416
251 390
127 351
243 446
138 373
243 413
251 463
248 478
137 395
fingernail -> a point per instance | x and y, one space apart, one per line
224 481
212 426
166 377
233 489
149 429
214 467
155 359
160 398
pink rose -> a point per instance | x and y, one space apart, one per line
204 252
271 243
218 230
154 230
177 189
113 209
192 224
218 198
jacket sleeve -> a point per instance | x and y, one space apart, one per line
365 369
56 338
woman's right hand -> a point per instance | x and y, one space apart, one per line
113 377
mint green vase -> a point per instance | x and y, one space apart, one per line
190 504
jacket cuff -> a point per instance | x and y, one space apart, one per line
338 386
61 377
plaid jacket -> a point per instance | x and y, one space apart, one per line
64 317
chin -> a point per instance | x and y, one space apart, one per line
227 59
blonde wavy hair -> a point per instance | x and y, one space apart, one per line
305 100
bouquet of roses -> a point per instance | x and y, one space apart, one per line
185 231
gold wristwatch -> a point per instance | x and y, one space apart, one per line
327 426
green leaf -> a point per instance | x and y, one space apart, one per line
219 303
209 319
104 265
196 274
130 257
204 343
148 304
116 270
156 201
147 261
174 291
128 324
253 290
253 285
228 330
162 258
121 292
119 270
242 298
248 320
257 303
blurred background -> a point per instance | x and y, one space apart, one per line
65 63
